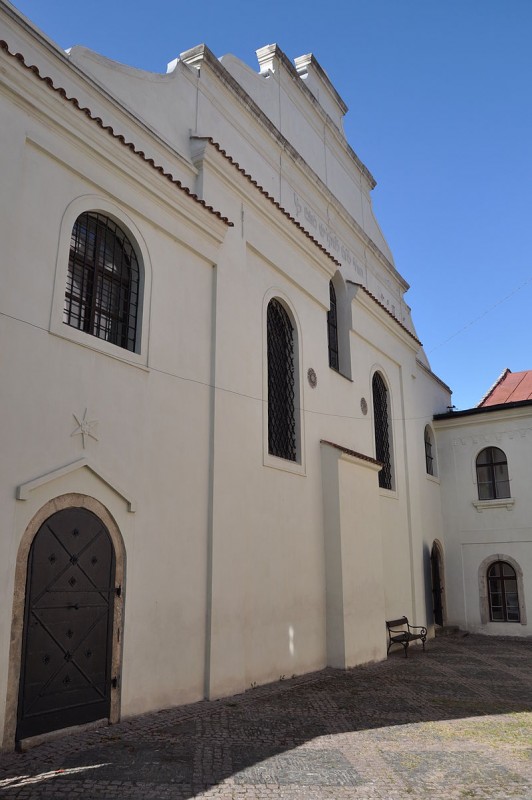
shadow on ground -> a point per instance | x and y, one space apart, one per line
256 739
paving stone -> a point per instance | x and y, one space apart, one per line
452 723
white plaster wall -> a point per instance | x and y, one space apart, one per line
473 535
152 420
225 574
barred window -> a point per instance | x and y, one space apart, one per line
502 593
332 330
492 474
382 431
429 458
102 292
282 440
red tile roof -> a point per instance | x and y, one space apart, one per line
510 387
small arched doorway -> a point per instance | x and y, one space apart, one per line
66 661
436 563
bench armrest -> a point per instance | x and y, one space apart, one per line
418 628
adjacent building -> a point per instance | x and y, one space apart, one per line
484 454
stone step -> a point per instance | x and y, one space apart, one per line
446 630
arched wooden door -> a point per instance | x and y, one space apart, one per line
437 587
68 621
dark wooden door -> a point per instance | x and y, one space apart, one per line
437 587
68 620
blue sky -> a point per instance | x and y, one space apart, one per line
440 101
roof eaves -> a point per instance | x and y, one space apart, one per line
266 194
490 391
310 58
108 128
352 453
468 412
378 302
195 56
433 375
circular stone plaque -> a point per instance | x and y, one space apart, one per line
312 378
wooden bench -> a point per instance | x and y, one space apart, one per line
400 631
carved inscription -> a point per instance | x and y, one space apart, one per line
379 285
325 235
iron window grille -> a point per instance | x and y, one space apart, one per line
281 383
502 593
102 292
429 458
382 431
492 474
332 330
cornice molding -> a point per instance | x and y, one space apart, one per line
353 456
201 55
433 375
199 153
23 490
18 58
487 415
370 302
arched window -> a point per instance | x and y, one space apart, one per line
429 452
102 292
282 438
502 593
332 330
382 431
492 474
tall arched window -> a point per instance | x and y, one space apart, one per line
282 438
502 593
492 474
382 431
429 452
102 292
332 330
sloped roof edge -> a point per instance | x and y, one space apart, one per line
378 302
492 388
109 129
266 194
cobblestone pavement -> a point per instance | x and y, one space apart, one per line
454 722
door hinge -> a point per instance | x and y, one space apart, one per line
118 591
115 682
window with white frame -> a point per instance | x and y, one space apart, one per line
502 593
492 474
430 462
103 281
332 329
282 428
381 419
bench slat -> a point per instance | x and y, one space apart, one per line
406 636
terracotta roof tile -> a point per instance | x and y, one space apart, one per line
511 387
266 194
98 121
352 452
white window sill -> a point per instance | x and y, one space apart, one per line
83 339
391 494
486 505
433 478
284 464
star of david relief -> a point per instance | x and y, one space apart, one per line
86 427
